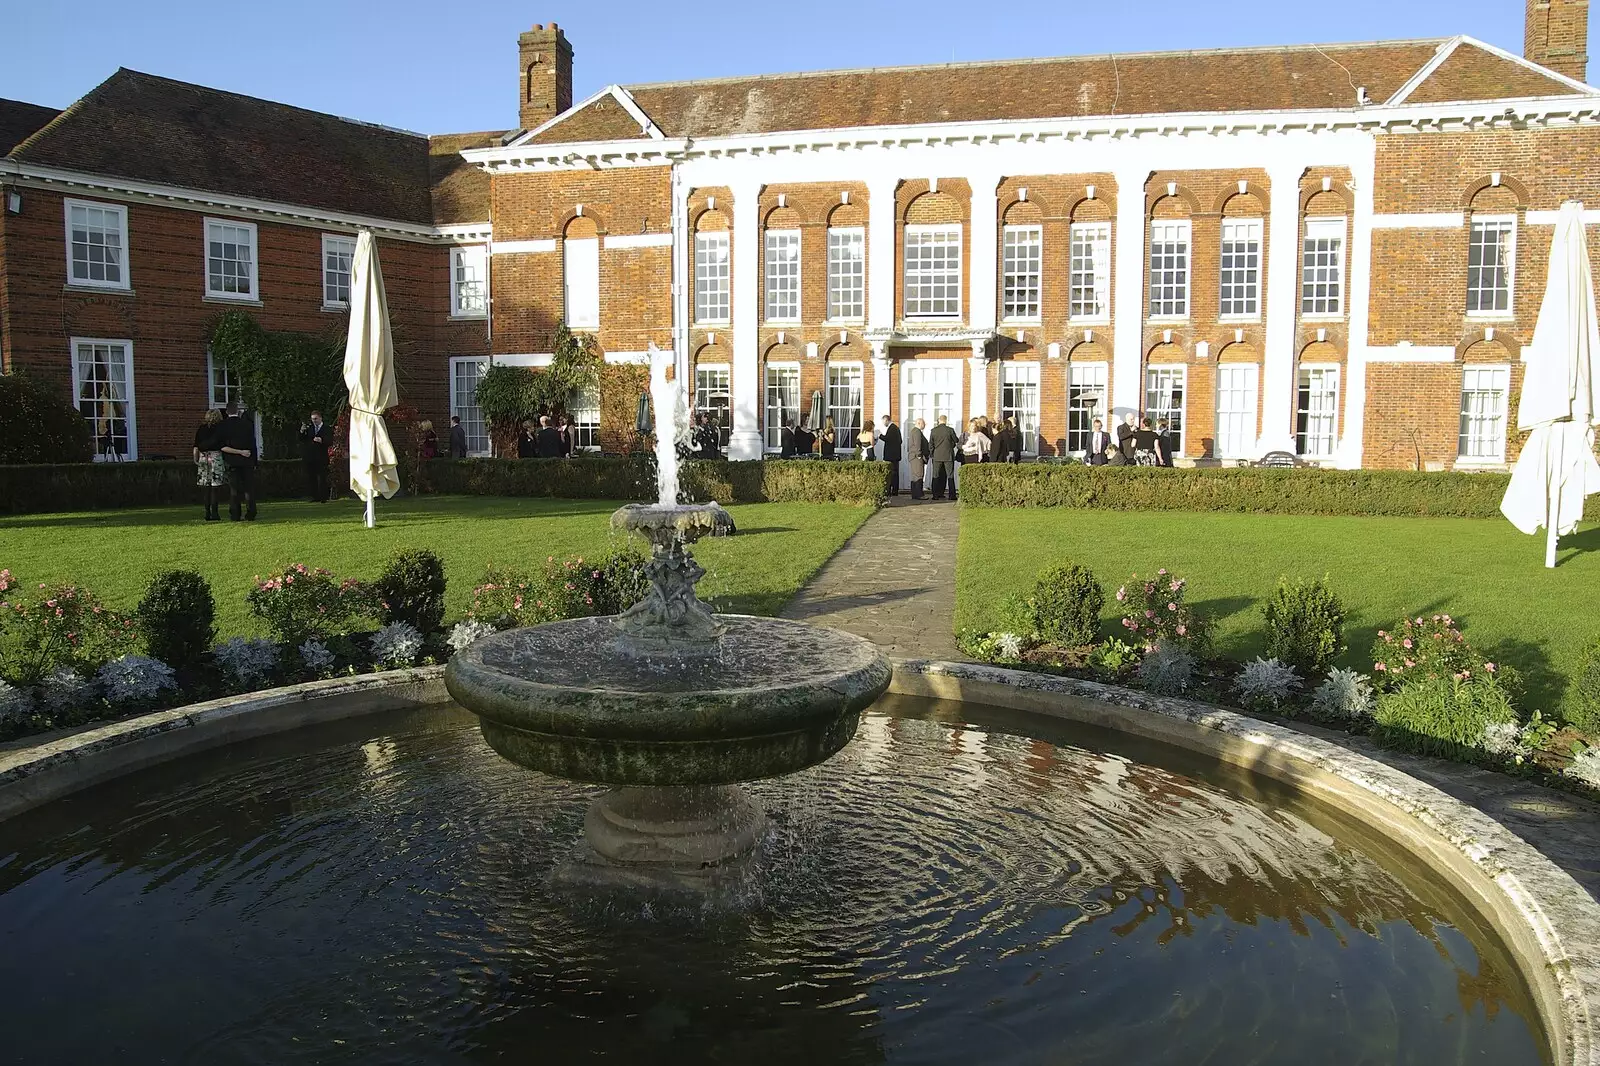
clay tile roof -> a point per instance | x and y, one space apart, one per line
19 121
460 190
1239 79
147 128
1474 73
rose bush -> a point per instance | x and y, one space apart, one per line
1153 612
304 602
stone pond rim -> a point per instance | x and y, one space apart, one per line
774 698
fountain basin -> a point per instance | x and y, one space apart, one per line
773 697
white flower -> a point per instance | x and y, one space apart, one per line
246 659
1266 684
1585 766
135 679
1167 669
464 634
1502 738
1009 646
1345 694
316 656
397 644
14 702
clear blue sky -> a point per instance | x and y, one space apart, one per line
445 67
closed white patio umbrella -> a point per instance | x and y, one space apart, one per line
369 375
1560 395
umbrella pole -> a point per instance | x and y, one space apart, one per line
1550 547
372 516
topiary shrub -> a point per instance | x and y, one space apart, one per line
1066 605
411 590
38 424
1442 715
1582 707
1305 626
178 617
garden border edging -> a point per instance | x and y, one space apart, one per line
1549 922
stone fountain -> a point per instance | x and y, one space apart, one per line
669 703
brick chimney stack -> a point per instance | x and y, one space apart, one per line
544 73
1557 36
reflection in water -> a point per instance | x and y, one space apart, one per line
375 892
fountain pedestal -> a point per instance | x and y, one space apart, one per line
672 705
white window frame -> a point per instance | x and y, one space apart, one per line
713 278
1243 274
254 295
121 213
1021 273
580 282
854 378
132 409
463 410
583 420
1090 257
1321 229
847 274
221 395
1023 375
336 244
1249 440
719 386
772 434
1303 439
781 271
464 256
1177 414
1171 276
919 274
1495 418
1502 224
1091 376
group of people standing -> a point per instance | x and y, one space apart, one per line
546 439
1140 442
225 454
935 456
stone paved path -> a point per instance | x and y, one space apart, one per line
894 582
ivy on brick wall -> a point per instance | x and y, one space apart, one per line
508 395
284 376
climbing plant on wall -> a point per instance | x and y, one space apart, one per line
283 376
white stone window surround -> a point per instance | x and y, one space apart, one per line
1492 267
232 260
338 259
102 391
1022 273
1322 269
469 281
223 389
782 266
97 244
932 271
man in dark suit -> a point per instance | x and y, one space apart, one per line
786 441
1164 443
890 439
943 444
458 438
315 438
549 441
1125 433
917 457
1099 444
239 453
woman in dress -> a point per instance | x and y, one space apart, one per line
211 472
826 441
430 440
975 449
528 442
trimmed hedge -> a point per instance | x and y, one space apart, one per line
26 489
1394 493
36 488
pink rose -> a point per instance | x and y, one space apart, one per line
1182 630
1406 643
1489 667
1379 667
1172 607
1149 614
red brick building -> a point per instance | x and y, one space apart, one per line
1337 251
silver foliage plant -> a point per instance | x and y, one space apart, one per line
1167 669
1345 694
246 659
135 679
464 634
14 702
64 688
1585 767
397 644
1267 684
316 656
1504 739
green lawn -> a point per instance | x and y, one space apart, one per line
1482 571
115 553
